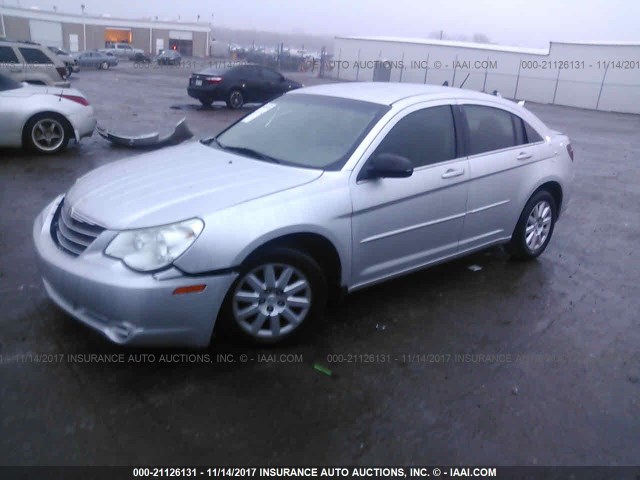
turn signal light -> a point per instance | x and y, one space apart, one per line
189 289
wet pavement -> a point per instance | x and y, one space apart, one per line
513 363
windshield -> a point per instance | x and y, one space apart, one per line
310 131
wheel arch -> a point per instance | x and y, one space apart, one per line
555 189
314 244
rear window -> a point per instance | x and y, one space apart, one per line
532 135
216 71
490 129
7 55
35 56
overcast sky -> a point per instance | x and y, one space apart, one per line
512 22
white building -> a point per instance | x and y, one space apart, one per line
601 76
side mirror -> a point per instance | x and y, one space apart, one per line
387 165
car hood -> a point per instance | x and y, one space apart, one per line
176 183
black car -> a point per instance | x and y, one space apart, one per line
169 57
238 85
140 58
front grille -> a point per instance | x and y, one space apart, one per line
70 234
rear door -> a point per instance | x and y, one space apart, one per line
274 84
503 164
11 64
40 68
249 76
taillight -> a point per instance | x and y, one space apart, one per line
570 151
213 80
77 99
62 71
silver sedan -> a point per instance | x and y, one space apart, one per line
326 189
43 119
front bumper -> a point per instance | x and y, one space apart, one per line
127 307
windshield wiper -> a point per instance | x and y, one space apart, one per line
247 151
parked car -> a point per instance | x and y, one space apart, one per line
238 85
141 58
69 61
32 63
169 57
122 50
99 60
42 118
329 188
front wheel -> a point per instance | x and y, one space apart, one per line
535 227
104 66
276 296
235 100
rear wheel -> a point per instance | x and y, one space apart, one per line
47 133
535 227
104 66
235 100
206 103
278 294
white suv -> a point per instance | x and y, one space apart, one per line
32 63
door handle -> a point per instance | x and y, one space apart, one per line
524 156
453 172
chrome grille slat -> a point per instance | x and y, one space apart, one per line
69 245
72 235
80 227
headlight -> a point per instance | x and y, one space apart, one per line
149 249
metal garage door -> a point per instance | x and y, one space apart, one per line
46 33
180 35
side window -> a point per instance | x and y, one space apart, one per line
271 76
253 73
489 129
532 135
33 55
425 137
7 55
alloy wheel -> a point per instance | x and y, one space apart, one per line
47 134
236 99
538 225
272 300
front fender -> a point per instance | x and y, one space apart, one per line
322 207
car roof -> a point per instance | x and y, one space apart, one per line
25 43
385 93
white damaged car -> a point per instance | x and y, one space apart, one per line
42 118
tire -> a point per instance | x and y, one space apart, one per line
47 133
235 100
206 103
104 66
258 313
536 223
69 72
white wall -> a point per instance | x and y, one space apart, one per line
569 74
47 33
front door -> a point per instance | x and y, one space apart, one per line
400 224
